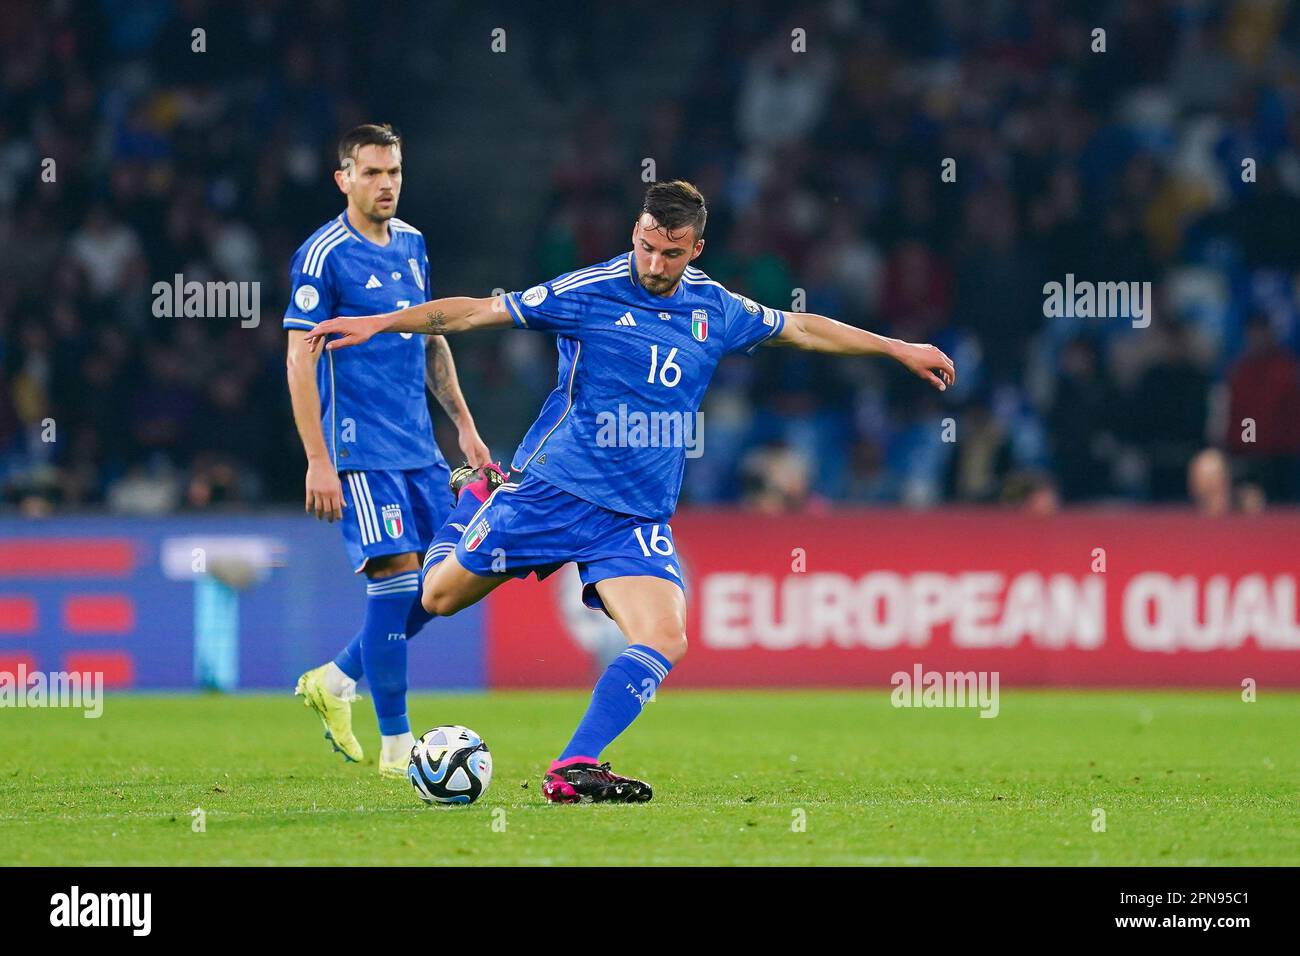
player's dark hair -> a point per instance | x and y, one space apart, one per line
367 134
676 205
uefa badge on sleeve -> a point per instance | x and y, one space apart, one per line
699 324
392 515
306 298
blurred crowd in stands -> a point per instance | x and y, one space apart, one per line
1166 150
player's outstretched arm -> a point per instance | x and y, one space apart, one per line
817 333
437 317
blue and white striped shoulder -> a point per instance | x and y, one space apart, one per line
695 277
325 242
620 268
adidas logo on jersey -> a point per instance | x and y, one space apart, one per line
626 319
373 282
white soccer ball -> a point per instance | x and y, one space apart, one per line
450 764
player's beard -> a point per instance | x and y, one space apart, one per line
376 214
657 285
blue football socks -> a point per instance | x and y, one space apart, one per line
625 687
383 647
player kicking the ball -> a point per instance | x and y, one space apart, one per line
379 471
644 331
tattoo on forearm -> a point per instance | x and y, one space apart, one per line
442 378
440 363
435 322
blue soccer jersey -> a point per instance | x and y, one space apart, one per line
634 367
373 408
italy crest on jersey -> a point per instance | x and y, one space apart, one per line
392 515
477 535
699 324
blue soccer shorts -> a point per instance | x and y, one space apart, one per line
533 527
392 512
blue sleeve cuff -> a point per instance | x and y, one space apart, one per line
515 313
775 329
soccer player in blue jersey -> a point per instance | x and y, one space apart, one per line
639 337
372 462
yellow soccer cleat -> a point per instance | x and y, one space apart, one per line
396 769
335 712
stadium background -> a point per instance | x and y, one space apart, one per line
830 535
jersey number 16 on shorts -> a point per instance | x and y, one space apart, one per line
660 544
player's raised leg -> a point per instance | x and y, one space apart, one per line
447 586
651 612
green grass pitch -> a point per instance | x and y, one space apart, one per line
1184 778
